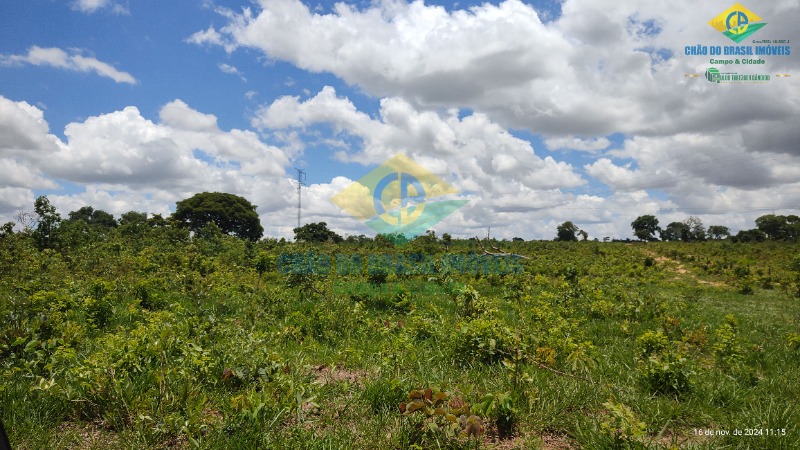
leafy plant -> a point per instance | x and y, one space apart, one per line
793 341
444 414
727 348
470 304
651 343
502 408
621 424
485 340
667 373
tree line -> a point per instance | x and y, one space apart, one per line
216 212
768 227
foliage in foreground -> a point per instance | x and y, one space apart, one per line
142 337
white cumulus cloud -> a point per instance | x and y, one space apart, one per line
73 61
92 6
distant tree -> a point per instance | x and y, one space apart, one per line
48 220
383 241
779 227
517 239
392 238
231 213
793 226
316 232
754 235
645 227
7 229
426 242
566 232
717 232
133 218
696 230
92 216
773 226
429 237
675 231
584 235
133 222
157 221
447 240
360 239
26 219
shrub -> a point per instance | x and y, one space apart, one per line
621 424
485 340
98 311
444 415
469 302
651 342
727 348
666 374
602 309
501 408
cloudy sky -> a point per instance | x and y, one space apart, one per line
538 112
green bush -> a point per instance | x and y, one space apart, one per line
485 340
667 373
651 342
621 424
469 302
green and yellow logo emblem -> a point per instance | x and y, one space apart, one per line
737 22
712 75
399 196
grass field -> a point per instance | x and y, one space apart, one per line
158 341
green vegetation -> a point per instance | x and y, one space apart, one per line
316 232
142 335
230 213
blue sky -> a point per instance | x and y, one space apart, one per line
539 112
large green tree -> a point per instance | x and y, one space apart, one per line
232 214
717 232
779 227
645 227
48 220
316 232
754 235
675 231
93 216
566 232
773 226
697 232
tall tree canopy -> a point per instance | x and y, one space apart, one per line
93 216
316 232
675 231
48 220
645 227
718 232
231 213
566 232
779 227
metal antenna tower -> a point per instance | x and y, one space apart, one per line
301 178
